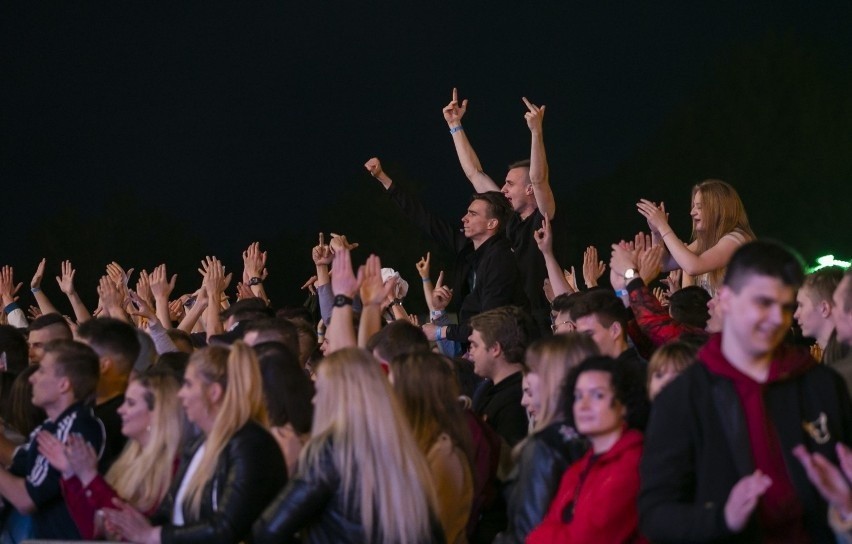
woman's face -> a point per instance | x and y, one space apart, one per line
134 412
661 378
531 399
696 213
596 411
193 397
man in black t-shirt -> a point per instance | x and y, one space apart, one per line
527 187
67 375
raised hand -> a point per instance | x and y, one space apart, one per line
8 289
82 458
534 117
544 236
453 112
441 294
642 241
423 266
343 281
143 308
339 241
160 285
673 280
650 263
661 296
321 253
743 499
35 283
117 274
310 285
112 298
34 312
254 261
143 286
244 292
66 278
373 290
658 219
592 267
571 278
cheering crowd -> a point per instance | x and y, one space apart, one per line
662 396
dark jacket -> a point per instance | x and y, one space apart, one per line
313 503
493 265
531 486
697 447
249 474
500 406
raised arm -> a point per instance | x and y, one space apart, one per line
43 302
373 294
544 240
66 285
453 114
254 270
539 172
344 284
713 259
161 287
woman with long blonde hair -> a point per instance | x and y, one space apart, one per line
719 226
554 444
361 477
233 470
428 390
153 422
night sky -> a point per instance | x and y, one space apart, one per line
152 132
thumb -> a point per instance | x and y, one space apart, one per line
173 282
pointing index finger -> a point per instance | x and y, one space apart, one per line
455 95
529 104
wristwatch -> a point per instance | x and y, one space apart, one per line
629 274
342 300
255 281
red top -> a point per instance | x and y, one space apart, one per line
596 500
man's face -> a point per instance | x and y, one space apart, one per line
483 360
517 188
842 316
562 323
759 315
808 315
47 386
604 337
476 221
38 338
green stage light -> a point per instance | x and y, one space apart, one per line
829 260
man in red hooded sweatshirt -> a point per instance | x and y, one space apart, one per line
718 463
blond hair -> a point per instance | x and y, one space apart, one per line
552 358
371 440
723 213
142 474
237 372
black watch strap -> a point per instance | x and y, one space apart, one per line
341 301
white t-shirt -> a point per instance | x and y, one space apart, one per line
177 513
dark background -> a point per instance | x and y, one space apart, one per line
162 132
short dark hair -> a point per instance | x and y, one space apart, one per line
627 384
497 207
764 258
509 326
523 163
603 303
112 337
174 362
399 337
77 362
47 320
689 306
247 309
564 302
275 329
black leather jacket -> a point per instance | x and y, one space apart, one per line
533 483
312 503
249 474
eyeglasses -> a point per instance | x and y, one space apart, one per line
558 324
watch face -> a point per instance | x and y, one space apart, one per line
254 281
629 274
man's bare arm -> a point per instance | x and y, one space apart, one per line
453 114
539 172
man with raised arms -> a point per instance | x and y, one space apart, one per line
527 187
